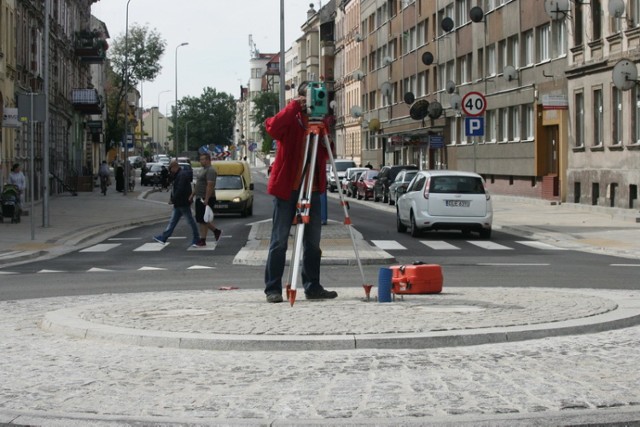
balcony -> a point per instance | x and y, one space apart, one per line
91 46
86 101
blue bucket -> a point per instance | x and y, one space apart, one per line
384 284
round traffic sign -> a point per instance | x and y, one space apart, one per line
474 104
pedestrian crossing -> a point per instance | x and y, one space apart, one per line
441 245
140 246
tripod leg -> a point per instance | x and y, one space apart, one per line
347 219
303 209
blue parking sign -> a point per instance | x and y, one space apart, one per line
474 126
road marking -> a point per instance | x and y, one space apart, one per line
209 247
151 247
439 245
540 245
624 265
513 264
51 271
8 272
98 270
102 247
151 269
200 267
388 245
489 245
116 239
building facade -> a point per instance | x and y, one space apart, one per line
8 73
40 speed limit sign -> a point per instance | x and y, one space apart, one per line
474 104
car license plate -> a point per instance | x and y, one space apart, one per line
458 203
219 206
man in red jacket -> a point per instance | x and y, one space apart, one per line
288 128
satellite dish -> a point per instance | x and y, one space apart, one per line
287 87
450 86
356 111
387 60
625 74
510 73
434 110
333 104
374 125
409 97
616 8
476 14
456 101
385 88
447 24
358 37
419 110
556 9
427 58
358 75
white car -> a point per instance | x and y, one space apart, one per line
445 200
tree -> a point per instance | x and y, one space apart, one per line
265 104
141 52
209 119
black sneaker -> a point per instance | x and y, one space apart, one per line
274 298
322 294
217 233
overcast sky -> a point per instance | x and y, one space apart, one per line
218 35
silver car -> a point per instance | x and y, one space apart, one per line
445 200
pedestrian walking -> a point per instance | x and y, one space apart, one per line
205 195
17 178
181 198
104 173
120 177
289 128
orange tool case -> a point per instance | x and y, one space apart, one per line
417 278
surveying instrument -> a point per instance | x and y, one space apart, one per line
317 108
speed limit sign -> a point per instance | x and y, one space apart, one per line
474 104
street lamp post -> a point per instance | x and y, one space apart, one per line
154 129
175 115
126 99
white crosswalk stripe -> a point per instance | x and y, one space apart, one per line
439 245
151 247
492 246
102 247
388 245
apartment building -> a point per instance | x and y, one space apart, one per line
7 81
604 139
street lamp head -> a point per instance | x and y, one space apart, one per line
183 44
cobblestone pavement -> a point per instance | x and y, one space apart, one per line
109 382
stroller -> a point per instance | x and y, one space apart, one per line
10 200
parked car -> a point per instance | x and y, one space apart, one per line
151 175
347 182
136 161
341 166
365 183
445 200
402 181
352 186
385 178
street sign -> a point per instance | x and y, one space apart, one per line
474 126
474 104
436 141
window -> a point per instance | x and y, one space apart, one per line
503 126
491 60
598 117
492 126
544 40
616 116
578 33
421 84
527 122
635 105
502 54
462 12
596 19
464 69
579 119
559 33
635 13
527 48
513 54
514 123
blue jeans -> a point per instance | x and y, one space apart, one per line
178 212
283 214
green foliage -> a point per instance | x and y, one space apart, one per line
265 104
209 119
142 52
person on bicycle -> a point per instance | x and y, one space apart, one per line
104 173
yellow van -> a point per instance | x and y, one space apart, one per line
234 188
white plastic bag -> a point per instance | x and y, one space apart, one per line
208 214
